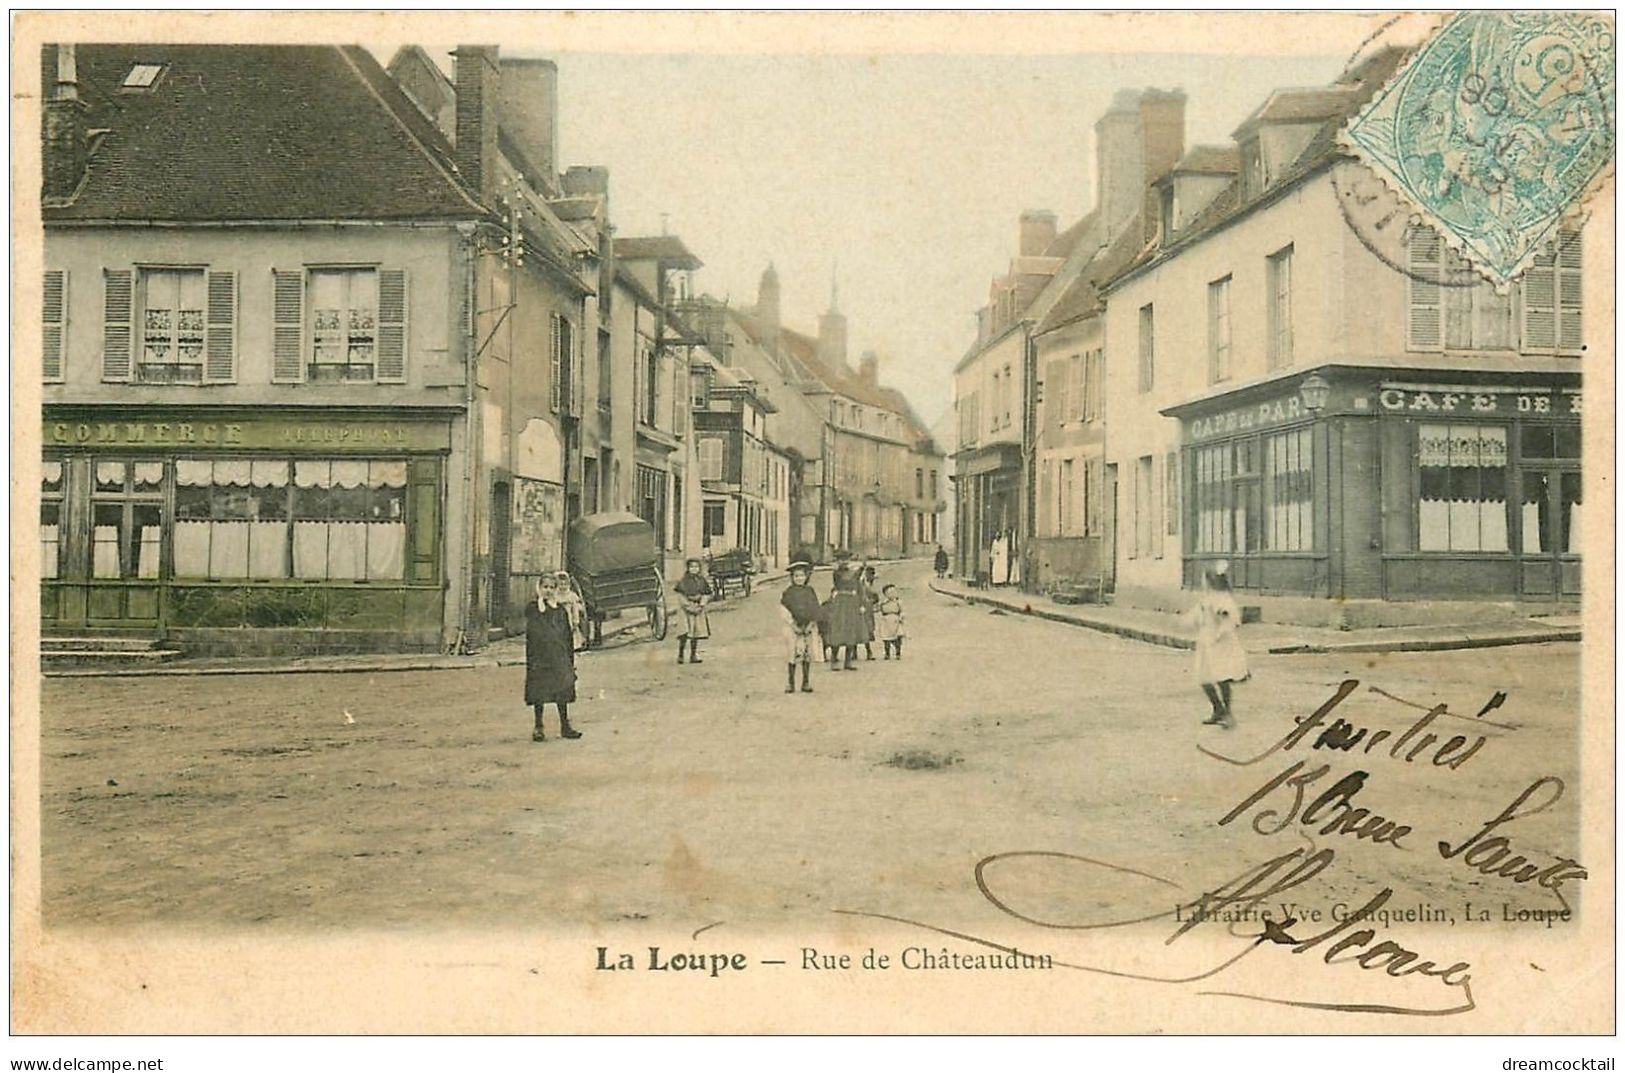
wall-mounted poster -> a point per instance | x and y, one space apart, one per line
538 526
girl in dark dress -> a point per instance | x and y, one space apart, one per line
844 628
550 658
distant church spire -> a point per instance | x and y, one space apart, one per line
835 289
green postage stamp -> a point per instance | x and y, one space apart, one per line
1498 125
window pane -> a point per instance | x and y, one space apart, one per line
1568 441
1536 441
110 476
50 537
1537 538
51 476
107 524
149 477
1569 506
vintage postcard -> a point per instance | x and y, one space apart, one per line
813 523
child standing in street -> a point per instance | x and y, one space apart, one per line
801 612
695 591
1220 659
889 623
550 658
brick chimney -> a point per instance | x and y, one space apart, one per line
1162 122
529 95
1037 232
869 368
65 151
582 180
479 97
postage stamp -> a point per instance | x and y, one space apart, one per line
1499 125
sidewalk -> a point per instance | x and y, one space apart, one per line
1171 631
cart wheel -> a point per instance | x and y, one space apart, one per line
658 623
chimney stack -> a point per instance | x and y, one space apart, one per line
1119 162
1162 123
869 368
582 180
479 92
1037 232
767 306
529 99
65 152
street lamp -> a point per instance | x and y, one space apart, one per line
1315 392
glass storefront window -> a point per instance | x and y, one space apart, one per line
126 539
1549 441
1463 480
1289 492
231 518
1568 504
349 520
50 519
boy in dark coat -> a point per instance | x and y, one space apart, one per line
550 658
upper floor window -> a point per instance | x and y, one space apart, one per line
334 325
168 325
1094 381
171 326
1148 344
1218 330
142 76
1279 280
710 458
55 323
1452 307
344 324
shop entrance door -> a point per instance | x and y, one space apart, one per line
1550 533
111 580
501 551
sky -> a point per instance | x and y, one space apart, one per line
899 178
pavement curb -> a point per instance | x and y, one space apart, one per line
1450 641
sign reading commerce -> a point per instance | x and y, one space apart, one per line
251 433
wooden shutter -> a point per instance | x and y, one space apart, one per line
220 334
117 333
423 520
1540 302
554 392
391 367
1568 292
1170 491
1056 396
288 326
1425 257
1157 506
55 322
1046 498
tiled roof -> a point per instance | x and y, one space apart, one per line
1301 106
258 132
1210 160
1351 94
656 248
1066 240
1082 297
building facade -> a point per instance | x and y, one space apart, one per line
1332 411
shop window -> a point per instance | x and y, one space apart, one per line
1228 507
1463 479
1540 442
50 519
344 324
1289 492
349 520
231 518
1550 526
172 326
126 531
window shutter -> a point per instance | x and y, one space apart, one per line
1568 292
553 378
391 367
1540 302
288 326
1170 491
1046 498
220 335
1425 257
1155 507
55 322
1057 403
118 311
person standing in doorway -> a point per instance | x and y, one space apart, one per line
1220 659
801 612
695 592
550 658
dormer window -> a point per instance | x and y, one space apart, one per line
1169 210
143 76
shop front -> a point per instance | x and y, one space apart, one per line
1381 483
988 481
232 531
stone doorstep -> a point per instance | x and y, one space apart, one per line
61 645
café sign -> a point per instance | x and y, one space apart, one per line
1246 418
251 432
1494 401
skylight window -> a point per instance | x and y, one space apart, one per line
143 75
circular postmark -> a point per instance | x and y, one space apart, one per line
1490 130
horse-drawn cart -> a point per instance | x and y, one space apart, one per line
730 570
615 563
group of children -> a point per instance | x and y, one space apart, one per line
855 614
